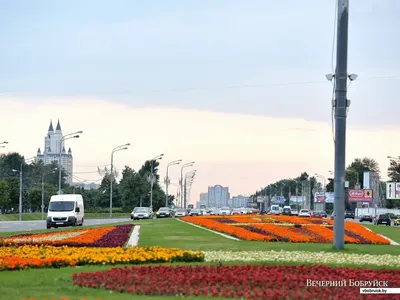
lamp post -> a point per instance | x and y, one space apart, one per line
190 176
73 135
116 149
3 144
190 164
167 181
43 175
151 176
20 186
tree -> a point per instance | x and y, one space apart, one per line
5 192
355 171
394 170
330 185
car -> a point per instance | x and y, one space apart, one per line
366 217
287 211
236 211
140 213
195 212
315 214
225 211
304 213
181 212
276 209
164 212
383 219
323 214
349 214
294 212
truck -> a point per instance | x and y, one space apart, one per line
65 210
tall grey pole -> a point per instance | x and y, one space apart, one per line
20 193
111 182
184 193
151 183
181 194
166 187
43 196
59 170
340 122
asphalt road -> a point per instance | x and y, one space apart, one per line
10 226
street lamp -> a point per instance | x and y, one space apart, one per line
43 175
73 135
20 186
190 164
116 149
188 180
2 143
151 177
167 181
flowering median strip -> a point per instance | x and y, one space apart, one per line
337 258
15 258
110 236
285 229
246 282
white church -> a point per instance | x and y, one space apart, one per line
52 148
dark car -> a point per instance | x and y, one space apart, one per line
164 212
287 211
323 214
367 218
383 219
349 215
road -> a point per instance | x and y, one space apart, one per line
10 226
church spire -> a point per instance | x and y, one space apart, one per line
58 128
51 129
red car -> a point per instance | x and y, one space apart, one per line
316 214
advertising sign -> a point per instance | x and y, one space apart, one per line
319 197
297 199
360 195
393 190
260 199
329 197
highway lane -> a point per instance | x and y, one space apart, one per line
10 226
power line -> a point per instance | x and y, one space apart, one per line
242 86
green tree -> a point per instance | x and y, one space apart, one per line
330 185
5 192
355 171
394 170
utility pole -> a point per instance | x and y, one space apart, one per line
340 105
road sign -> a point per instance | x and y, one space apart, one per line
365 195
393 190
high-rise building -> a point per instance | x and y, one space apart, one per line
217 196
240 201
54 148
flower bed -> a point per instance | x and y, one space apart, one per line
285 229
333 258
110 236
246 282
14 258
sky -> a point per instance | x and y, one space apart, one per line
237 86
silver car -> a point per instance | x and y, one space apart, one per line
181 212
140 213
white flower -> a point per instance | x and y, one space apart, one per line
304 257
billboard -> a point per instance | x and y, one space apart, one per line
297 199
260 199
319 197
329 197
393 190
360 195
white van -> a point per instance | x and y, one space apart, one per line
65 210
275 209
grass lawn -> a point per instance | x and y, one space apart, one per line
392 232
56 283
174 234
38 216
